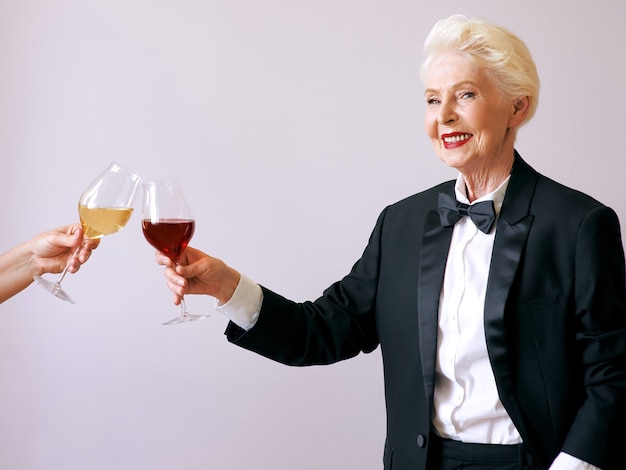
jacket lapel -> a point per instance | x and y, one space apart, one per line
512 231
434 252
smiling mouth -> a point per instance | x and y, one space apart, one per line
452 141
456 138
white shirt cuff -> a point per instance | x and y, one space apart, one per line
565 461
244 306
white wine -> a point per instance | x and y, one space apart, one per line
99 221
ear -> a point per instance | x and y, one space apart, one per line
520 110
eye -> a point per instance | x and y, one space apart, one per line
467 95
432 101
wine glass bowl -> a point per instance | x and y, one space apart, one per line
171 236
168 225
100 221
104 208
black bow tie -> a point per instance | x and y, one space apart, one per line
482 213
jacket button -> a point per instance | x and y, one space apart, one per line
421 440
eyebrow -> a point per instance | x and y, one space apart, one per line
454 86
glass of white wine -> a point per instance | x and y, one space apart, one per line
104 208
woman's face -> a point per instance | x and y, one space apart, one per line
467 119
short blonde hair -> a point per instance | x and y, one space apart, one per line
502 54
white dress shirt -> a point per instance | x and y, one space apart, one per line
467 406
466 399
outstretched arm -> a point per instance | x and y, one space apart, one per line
48 252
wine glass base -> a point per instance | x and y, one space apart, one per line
54 288
185 319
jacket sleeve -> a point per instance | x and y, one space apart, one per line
338 325
596 436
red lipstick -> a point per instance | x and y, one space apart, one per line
455 139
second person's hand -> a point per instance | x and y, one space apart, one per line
199 273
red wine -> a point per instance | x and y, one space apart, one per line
171 236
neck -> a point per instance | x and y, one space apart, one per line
486 180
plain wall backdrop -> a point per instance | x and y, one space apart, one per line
291 125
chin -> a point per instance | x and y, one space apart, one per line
453 160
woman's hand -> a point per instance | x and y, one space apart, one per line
55 249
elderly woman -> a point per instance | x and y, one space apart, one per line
498 299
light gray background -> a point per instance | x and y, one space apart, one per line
291 125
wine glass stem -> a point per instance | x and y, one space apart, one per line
183 308
62 276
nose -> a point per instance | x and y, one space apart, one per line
447 113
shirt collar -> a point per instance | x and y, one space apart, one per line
497 196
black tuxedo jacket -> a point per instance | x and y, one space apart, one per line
555 320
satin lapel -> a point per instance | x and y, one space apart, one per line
512 232
434 252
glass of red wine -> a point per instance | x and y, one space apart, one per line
168 225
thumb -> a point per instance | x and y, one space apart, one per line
187 270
